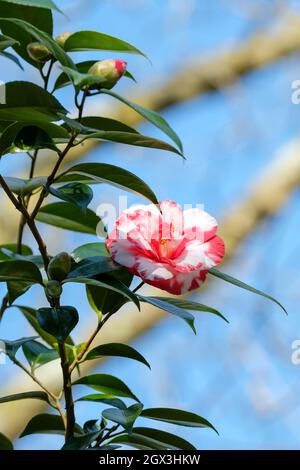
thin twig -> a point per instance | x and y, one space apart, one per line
67 386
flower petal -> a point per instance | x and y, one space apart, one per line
199 225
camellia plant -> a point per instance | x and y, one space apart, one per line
158 243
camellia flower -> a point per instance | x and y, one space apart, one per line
167 247
111 70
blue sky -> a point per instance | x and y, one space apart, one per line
239 376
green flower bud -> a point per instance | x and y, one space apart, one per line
39 52
110 70
53 289
61 39
59 266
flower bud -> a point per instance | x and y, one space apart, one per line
110 70
53 289
39 52
61 39
59 267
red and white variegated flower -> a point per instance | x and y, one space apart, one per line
167 247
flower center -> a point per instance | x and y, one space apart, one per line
165 247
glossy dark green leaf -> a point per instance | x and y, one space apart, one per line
32 349
93 41
107 384
27 101
93 266
20 271
105 399
126 418
116 350
178 417
243 285
91 426
106 124
151 116
36 395
34 3
190 305
107 282
114 175
8 248
87 251
43 38
148 439
16 289
173 309
67 216
58 322
5 443
40 18
12 347
131 138
30 315
76 193
102 300
23 187
81 442
6 41
47 424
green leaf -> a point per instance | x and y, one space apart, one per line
116 350
13 248
105 399
36 395
32 349
130 138
106 384
35 3
151 116
125 418
107 282
173 309
40 18
94 41
43 38
11 57
106 124
76 193
81 442
190 305
114 175
148 439
27 137
20 271
92 266
67 216
102 300
12 347
30 315
29 102
87 251
16 289
58 322
5 443
178 417
47 424
24 187
43 358
6 41
242 285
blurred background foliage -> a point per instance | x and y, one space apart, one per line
239 376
